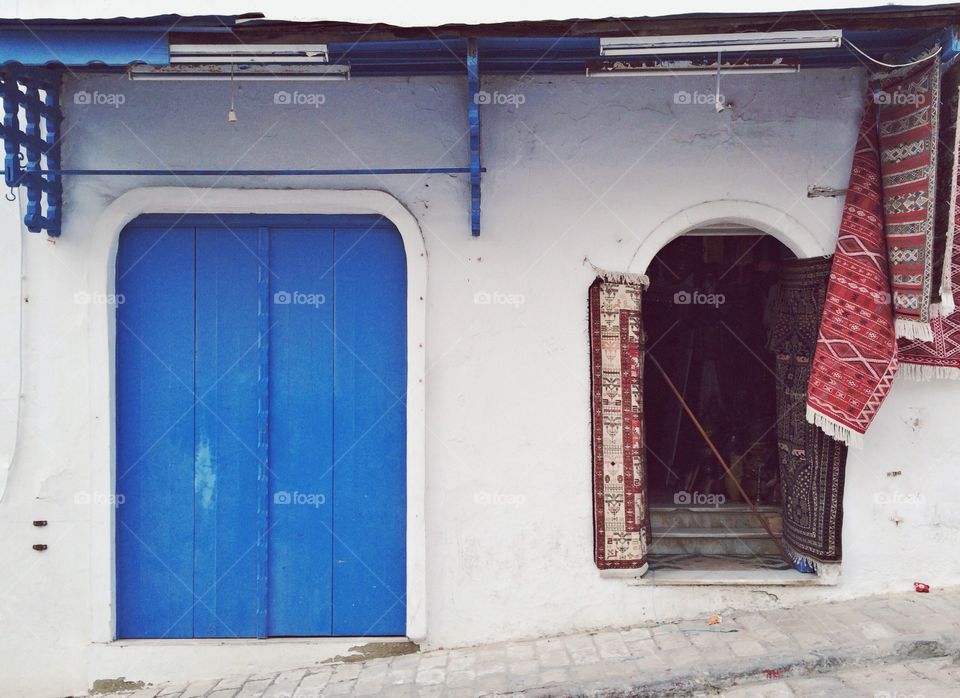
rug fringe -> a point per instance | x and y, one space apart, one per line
946 281
834 429
924 373
911 329
945 307
623 277
947 304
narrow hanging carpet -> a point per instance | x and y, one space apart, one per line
940 357
855 360
811 463
621 515
908 125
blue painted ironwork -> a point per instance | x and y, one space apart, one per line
32 142
473 118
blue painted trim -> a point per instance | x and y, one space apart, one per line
42 46
263 431
278 220
473 119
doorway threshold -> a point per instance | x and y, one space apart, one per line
731 578
727 570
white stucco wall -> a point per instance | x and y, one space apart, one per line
582 169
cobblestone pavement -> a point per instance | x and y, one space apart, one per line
894 646
918 678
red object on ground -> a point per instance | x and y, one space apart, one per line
921 587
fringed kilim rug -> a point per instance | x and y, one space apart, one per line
621 515
856 361
811 463
908 123
940 358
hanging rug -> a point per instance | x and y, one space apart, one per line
811 462
909 103
620 511
940 357
855 359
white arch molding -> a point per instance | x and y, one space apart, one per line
764 218
102 335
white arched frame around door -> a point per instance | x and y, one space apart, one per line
764 218
102 282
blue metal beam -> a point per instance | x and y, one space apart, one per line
473 119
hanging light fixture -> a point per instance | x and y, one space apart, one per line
728 43
241 72
683 68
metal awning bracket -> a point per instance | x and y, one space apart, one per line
473 120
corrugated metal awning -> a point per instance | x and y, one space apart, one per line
44 46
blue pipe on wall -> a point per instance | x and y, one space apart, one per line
296 173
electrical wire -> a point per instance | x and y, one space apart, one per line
892 65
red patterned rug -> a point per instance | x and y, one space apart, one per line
621 516
940 358
855 359
908 122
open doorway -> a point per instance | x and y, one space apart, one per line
707 317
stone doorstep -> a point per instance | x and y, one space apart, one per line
752 670
731 578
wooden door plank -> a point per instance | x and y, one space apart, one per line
155 444
369 517
301 431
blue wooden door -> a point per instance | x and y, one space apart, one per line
261 427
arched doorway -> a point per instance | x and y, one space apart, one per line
707 318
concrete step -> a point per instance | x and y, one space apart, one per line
711 533
725 529
715 546
726 516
